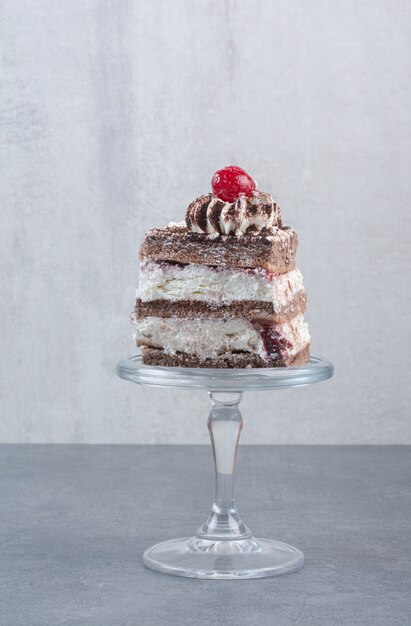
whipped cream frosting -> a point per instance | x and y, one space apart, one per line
208 338
248 214
220 285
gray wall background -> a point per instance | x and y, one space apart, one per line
114 117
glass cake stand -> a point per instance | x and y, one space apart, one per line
223 547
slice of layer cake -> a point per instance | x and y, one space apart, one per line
222 289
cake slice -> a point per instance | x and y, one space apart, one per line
222 289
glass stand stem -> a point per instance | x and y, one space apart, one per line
224 530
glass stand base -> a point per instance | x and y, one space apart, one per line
251 558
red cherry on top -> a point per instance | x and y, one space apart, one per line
229 182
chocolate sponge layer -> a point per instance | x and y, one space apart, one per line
273 250
248 309
156 356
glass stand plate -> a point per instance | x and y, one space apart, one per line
223 547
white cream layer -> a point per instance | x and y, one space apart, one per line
208 338
167 281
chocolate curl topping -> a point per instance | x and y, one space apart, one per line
248 214
214 210
196 214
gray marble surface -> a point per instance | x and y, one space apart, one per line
114 116
75 521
